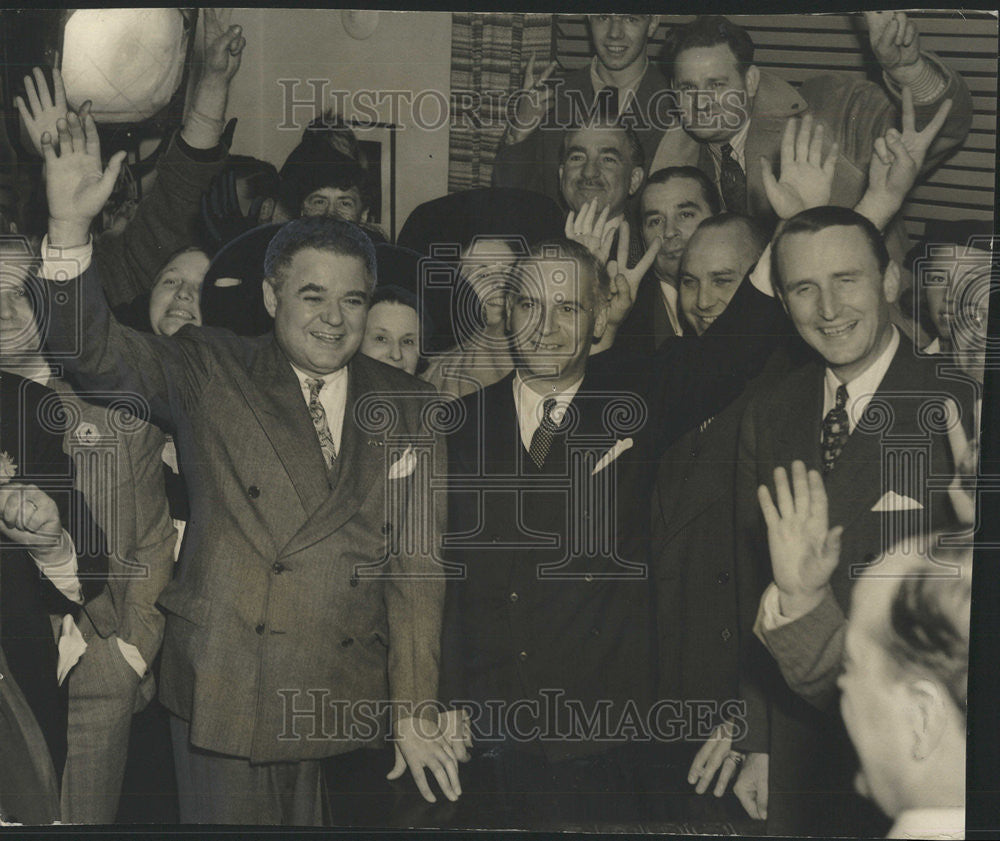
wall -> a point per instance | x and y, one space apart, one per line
409 51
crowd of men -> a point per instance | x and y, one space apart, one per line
649 467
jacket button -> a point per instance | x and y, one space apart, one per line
523 655
260 629
595 632
723 578
354 581
278 567
513 597
345 643
726 635
386 527
253 492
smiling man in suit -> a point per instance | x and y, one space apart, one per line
870 415
551 620
292 594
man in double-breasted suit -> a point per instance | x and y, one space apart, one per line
549 622
871 416
307 597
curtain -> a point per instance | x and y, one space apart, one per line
488 55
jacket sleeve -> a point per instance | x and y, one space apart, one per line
166 221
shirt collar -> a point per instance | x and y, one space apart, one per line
529 402
329 380
867 382
738 141
630 85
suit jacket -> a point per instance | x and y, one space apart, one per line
853 113
120 473
647 325
898 446
290 596
533 164
554 594
28 416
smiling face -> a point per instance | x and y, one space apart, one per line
319 309
672 210
18 329
837 297
967 305
714 264
554 314
336 204
599 166
485 264
175 299
392 335
620 40
723 106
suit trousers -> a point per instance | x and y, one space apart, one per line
102 698
217 789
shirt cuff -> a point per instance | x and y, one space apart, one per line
132 656
63 573
65 263
926 87
769 615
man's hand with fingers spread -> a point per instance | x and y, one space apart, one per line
593 230
806 177
423 746
43 109
76 186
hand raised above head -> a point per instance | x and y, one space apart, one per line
806 176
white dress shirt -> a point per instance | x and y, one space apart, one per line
332 397
943 822
669 294
626 91
862 388
530 406
739 143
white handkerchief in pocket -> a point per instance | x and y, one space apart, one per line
620 447
404 465
893 501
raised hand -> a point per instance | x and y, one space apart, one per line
593 230
223 53
76 186
424 746
894 40
804 552
806 178
30 517
625 281
535 101
44 109
223 47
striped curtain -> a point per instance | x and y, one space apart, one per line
488 55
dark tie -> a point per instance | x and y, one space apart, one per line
541 441
835 430
318 415
732 182
607 103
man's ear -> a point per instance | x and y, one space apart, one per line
270 297
267 210
926 712
635 180
752 80
654 21
890 282
364 216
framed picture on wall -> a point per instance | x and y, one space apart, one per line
377 154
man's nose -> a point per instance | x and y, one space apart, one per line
617 27
184 292
705 298
395 351
333 315
548 321
590 168
829 305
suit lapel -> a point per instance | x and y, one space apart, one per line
275 397
359 462
799 436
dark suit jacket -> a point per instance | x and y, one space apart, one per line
897 446
533 164
647 325
29 415
288 593
555 594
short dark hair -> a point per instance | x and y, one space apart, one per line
708 189
324 234
753 229
567 249
708 31
817 219
927 629
635 150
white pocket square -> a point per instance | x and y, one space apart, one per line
620 447
404 465
893 501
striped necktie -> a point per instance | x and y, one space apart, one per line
318 415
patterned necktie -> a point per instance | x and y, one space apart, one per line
732 182
608 103
541 441
835 430
318 415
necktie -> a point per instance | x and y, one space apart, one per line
732 182
318 415
835 430
541 441
608 103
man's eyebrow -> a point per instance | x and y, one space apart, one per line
722 272
651 212
604 150
311 287
690 203
575 148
